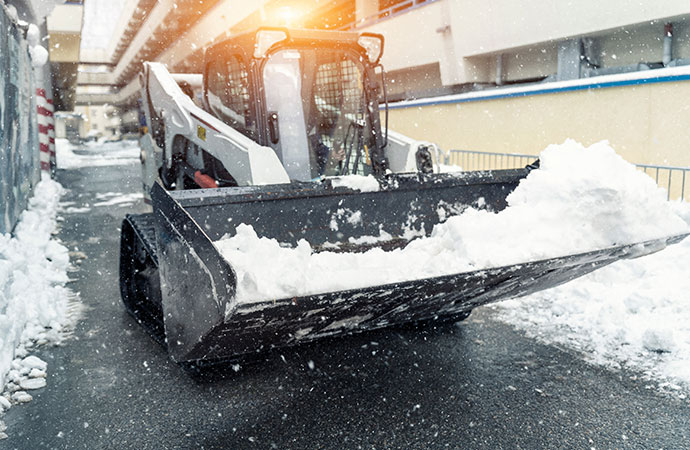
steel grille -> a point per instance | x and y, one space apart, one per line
339 90
237 90
339 98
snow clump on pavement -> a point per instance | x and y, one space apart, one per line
581 199
632 314
35 305
117 199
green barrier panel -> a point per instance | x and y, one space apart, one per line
19 150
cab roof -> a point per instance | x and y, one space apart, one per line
248 40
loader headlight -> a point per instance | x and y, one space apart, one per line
265 39
373 44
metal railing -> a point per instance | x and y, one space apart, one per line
475 160
676 180
664 177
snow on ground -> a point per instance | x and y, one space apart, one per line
66 208
35 305
69 156
581 199
117 198
633 314
103 199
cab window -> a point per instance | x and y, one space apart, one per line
228 94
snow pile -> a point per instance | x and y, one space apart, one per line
12 13
35 306
95 154
356 182
581 199
39 55
633 313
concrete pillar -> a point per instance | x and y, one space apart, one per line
569 59
365 8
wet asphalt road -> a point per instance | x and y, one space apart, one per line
478 384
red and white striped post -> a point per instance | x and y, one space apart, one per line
45 119
51 135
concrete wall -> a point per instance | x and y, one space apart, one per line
64 25
646 123
482 27
64 38
100 121
464 37
70 126
411 38
459 40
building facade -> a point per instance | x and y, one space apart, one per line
436 49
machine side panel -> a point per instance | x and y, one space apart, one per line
248 162
196 282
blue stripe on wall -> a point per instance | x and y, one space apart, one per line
546 90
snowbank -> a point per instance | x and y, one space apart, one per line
581 199
633 313
95 154
35 305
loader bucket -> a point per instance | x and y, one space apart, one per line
203 320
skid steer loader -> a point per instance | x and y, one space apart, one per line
264 137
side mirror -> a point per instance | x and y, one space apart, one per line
273 130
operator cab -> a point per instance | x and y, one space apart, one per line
309 95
